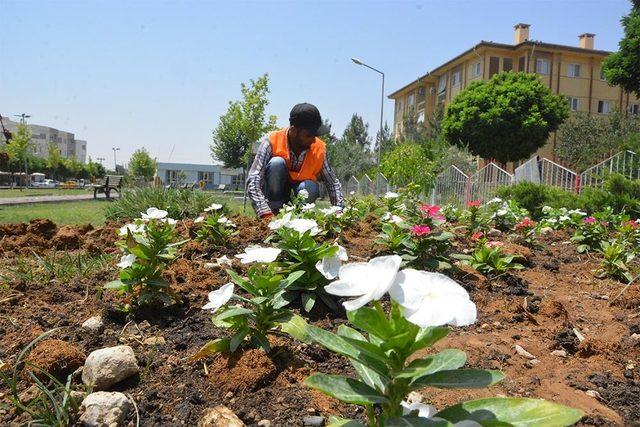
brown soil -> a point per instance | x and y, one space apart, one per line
59 358
537 308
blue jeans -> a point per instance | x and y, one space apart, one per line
277 185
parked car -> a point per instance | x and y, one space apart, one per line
47 183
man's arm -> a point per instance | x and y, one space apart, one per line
334 188
255 178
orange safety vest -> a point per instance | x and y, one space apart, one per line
313 159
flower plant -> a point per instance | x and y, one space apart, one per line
616 260
214 227
526 231
589 234
149 245
489 259
558 218
383 346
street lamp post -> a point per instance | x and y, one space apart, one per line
359 62
115 164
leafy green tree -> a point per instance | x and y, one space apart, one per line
19 149
408 162
243 124
74 167
346 156
506 118
386 139
141 164
623 67
357 131
54 160
94 169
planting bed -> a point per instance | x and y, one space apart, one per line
543 308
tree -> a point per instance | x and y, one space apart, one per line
386 139
357 131
623 67
408 162
243 124
141 164
54 160
19 149
584 140
347 157
506 118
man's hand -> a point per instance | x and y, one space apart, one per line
266 217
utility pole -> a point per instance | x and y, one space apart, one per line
115 165
23 121
100 159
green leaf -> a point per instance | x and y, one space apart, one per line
459 378
297 328
237 339
369 376
343 422
139 252
158 283
428 337
345 389
232 312
115 284
448 359
212 347
261 341
372 321
287 281
407 421
519 412
308 301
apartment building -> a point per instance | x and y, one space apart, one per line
42 136
573 71
212 176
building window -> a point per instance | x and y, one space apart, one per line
476 69
398 106
442 87
455 79
574 103
507 64
634 109
521 64
603 107
420 118
411 100
542 66
494 65
573 70
205 176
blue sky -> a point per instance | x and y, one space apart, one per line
158 74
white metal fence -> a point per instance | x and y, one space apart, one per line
626 163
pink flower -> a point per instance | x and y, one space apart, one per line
495 244
525 224
431 210
421 230
477 236
634 225
473 204
589 220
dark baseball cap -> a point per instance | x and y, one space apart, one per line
308 117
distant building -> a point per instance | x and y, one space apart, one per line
188 173
42 136
572 71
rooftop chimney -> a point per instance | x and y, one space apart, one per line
522 33
586 40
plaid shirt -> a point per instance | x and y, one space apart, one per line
255 177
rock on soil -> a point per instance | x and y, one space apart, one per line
219 416
108 366
94 323
59 358
104 409
313 421
67 238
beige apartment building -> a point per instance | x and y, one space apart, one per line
573 71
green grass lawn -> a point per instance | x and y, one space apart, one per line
90 211
6 193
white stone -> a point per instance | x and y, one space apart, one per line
593 393
313 421
264 423
219 416
559 353
494 232
108 366
635 337
545 231
104 409
94 323
522 352
155 341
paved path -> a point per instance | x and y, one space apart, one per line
25 200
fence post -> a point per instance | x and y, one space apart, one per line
576 186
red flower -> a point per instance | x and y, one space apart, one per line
631 223
430 210
525 223
473 204
421 230
477 236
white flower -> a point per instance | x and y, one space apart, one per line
302 225
351 193
213 207
258 254
154 213
552 220
169 221
495 200
391 195
223 260
502 212
287 208
402 207
330 266
389 217
126 261
304 194
546 209
226 221
333 210
424 411
199 219
219 297
432 299
279 223
134 228
563 218
308 206
366 280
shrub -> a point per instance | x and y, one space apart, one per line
178 203
618 192
533 197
